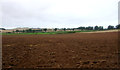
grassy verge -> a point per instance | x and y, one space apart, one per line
59 32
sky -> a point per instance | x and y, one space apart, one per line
58 13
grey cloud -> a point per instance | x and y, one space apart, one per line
49 14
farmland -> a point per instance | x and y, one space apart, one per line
57 32
74 50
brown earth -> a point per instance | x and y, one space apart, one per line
78 50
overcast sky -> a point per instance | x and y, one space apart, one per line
58 13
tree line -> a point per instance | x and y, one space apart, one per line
110 27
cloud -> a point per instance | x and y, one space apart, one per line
58 13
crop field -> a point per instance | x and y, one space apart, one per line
74 50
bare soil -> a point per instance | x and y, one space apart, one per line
78 50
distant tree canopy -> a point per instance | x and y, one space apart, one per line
45 29
29 30
89 28
23 31
82 28
73 29
110 27
100 27
17 31
64 29
32 30
55 29
118 26
96 28
2 29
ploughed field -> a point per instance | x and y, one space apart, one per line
78 50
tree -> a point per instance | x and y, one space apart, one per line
23 31
39 30
82 28
110 27
29 30
73 29
100 27
89 28
17 31
13 31
55 29
33 31
45 29
64 29
2 29
96 28
118 26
